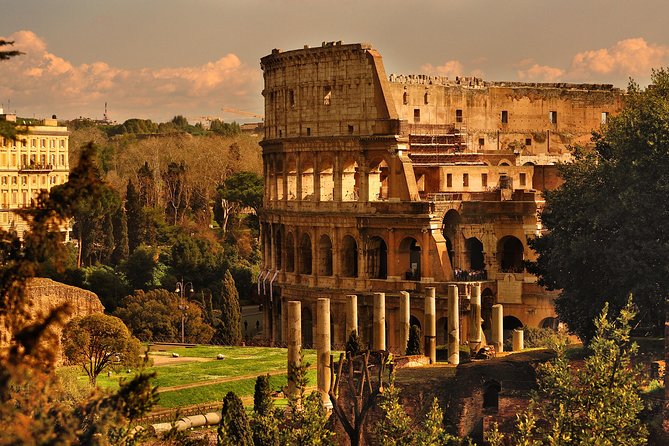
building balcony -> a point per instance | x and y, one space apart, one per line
35 167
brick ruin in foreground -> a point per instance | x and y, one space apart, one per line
377 183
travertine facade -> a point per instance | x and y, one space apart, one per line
37 160
377 183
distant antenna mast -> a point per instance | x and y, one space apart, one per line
105 115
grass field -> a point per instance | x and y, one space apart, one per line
197 377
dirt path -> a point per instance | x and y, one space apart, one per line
218 381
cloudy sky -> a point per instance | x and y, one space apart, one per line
159 58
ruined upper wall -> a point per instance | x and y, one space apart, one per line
332 90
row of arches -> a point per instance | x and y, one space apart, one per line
318 176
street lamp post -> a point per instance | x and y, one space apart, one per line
181 290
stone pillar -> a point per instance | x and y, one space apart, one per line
298 178
404 316
430 324
337 178
323 347
363 176
498 327
425 270
391 256
379 333
294 339
475 319
453 325
518 339
351 315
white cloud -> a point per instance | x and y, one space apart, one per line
629 57
539 73
43 83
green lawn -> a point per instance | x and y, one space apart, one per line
243 362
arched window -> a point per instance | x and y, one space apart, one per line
305 254
290 253
326 173
510 254
325 256
474 249
378 180
278 246
377 258
291 178
450 229
349 257
409 253
307 175
350 187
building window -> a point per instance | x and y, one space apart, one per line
528 141
327 95
605 117
481 142
308 131
405 98
426 98
14 180
280 133
291 98
43 143
449 180
62 143
465 180
505 117
33 142
458 115
523 179
62 160
484 180
552 117
416 115
350 129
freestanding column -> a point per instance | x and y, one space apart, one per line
405 315
430 325
498 327
475 319
453 325
351 314
323 347
518 339
294 339
379 321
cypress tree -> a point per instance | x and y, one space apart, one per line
121 250
262 396
134 217
230 329
234 427
413 345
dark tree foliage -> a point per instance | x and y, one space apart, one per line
136 218
606 232
354 344
230 330
176 191
146 185
198 260
414 346
143 268
110 286
120 226
234 429
245 188
262 396
224 128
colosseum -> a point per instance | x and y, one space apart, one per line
377 183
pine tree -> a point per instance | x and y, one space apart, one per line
135 217
234 429
121 250
414 346
394 428
230 329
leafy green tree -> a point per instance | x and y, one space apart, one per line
143 269
199 260
234 429
225 129
176 190
98 342
395 428
110 285
230 330
414 346
599 403
240 190
156 316
605 233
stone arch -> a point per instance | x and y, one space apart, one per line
450 229
377 179
409 256
307 327
510 323
550 323
291 178
505 162
326 178
350 180
529 163
442 331
415 320
279 178
349 257
377 258
290 252
307 177
325 256
306 255
278 247
475 257
491 390
510 254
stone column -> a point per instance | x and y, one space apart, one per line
363 177
430 324
294 339
391 256
425 270
351 315
518 339
337 178
453 325
379 333
498 327
298 178
475 319
404 316
323 347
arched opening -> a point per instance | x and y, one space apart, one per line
305 254
510 323
487 301
307 175
377 258
325 256
291 178
326 174
450 229
290 253
278 247
413 320
474 249
307 327
409 253
491 391
550 323
442 331
510 253
350 180
378 180
349 257
279 179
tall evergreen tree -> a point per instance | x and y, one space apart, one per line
109 244
234 429
121 250
414 346
146 184
262 396
230 329
135 217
